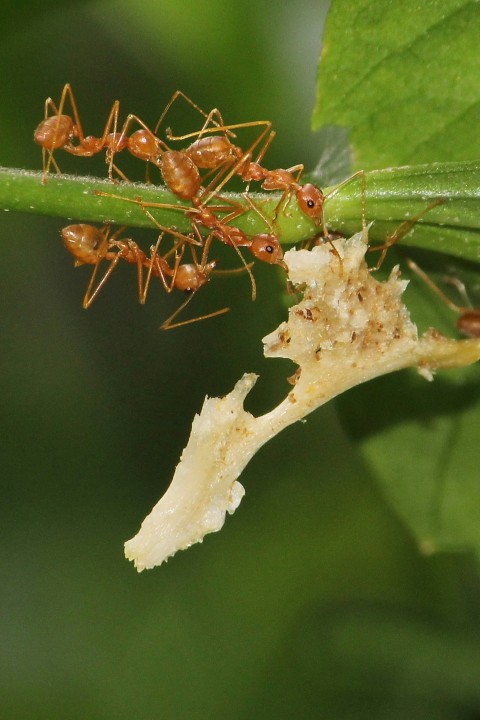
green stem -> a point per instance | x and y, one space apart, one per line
396 194
391 196
74 198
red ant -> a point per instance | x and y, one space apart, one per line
310 197
90 245
216 152
263 246
469 318
61 131
180 169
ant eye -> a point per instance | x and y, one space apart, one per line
311 204
269 249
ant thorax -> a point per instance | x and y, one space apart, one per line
348 328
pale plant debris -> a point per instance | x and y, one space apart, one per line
348 328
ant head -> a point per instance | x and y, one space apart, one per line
311 199
266 247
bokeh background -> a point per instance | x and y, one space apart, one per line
313 601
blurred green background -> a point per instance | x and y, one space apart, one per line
313 601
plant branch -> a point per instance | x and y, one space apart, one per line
392 195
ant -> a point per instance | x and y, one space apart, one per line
90 245
468 321
61 131
310 197
180 169
263 246
218 152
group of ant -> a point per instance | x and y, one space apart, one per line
196 174
212 153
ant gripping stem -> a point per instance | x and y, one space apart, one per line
61 131
310 197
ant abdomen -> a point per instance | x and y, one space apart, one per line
55 132
180 174
469 323
84 242
144 145
212 152
190 277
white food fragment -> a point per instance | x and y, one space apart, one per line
348 328
204 486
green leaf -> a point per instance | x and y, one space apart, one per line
397 194
402 80
403 77
421 444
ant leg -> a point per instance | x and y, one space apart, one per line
158 265
166 206
257 210
133 247
209 117
359 173
111 120
49 105
162 268
265 147
169 325
434 287
67 92
247 267
209 122
460 287
245 159
183 238
89 295
402 230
